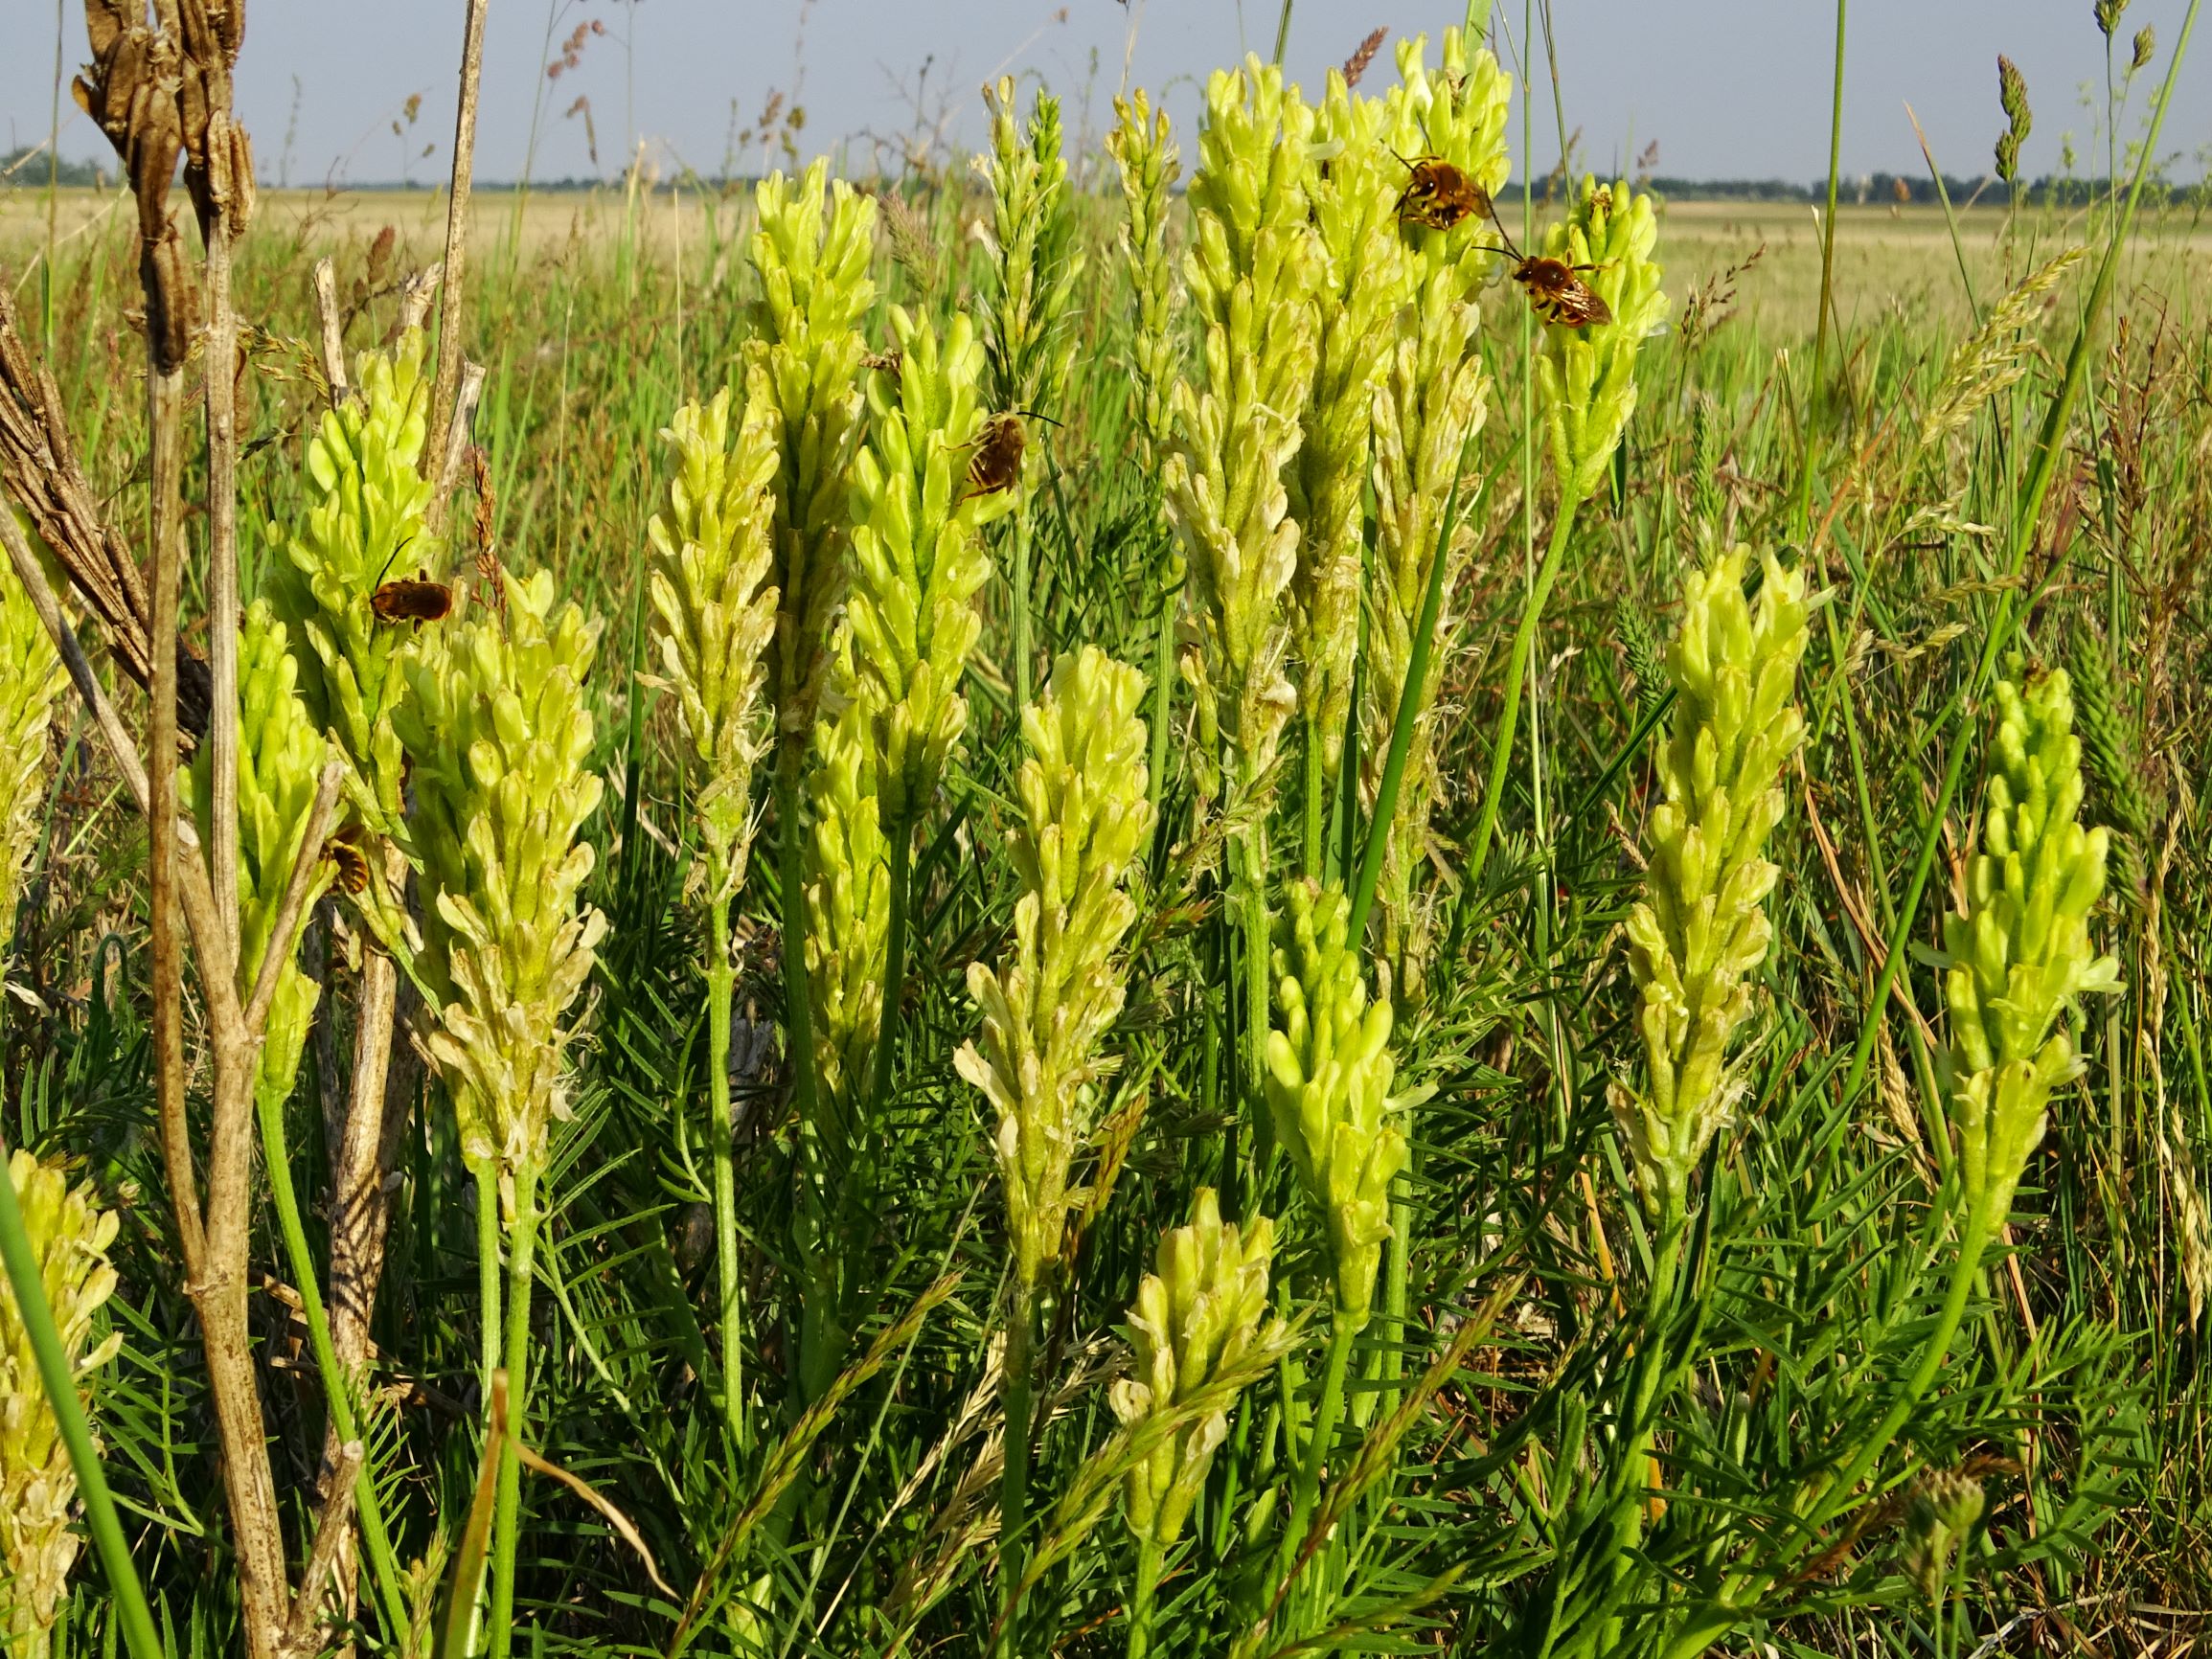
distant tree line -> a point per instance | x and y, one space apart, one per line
28 163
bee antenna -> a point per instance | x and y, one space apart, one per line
1037 415
1401 161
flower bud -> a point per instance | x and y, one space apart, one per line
1086 818
1700 933
1328 1084
501 738
1195 1315
2018 956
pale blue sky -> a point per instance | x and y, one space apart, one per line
1729 88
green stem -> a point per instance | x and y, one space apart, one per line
900 836
815 1158
487 1293
1316 802
1407 716
721 983
1015 1394
1343 1332
1515 669
338 1387
1163 685
1021 584
1251 900
1801 510
1152 1560
506 1519
1283 32
55 1371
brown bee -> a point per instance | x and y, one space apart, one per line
882 362
418 601
1557 293
996 464
1438 194
344 851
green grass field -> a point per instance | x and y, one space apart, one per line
1739 1189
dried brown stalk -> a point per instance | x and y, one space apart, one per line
38 467
448 380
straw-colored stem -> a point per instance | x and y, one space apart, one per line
506 1519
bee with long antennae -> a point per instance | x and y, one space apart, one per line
1555 291
1438 194
999 446
418 600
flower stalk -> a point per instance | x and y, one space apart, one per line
1700 933
1194 1317
714 616
810 255
501 738
1033 280
1252 272
1086 821
1431 399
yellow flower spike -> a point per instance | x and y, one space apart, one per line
1700 933
1193 1317
848 902
1252 273
501 738
1329 1075
1086 819
280 756
1588 374
917 558
31 679
804 361
1353 190
69 1239
714 611
2019 955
